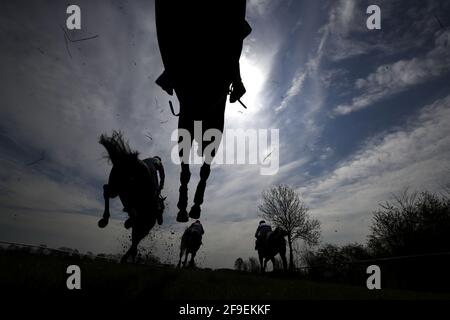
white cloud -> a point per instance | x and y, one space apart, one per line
293 91
416 156
399 76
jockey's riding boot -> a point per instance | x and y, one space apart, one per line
160 208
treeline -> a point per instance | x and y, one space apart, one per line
252 265
42 250
408 239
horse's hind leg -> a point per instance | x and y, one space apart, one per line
181 256
126 256
185 258
265 264
185 176
261 264
103 222
283 258
136 236
192 261
132 252
200 192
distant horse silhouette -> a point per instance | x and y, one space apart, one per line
200 43
274 244
190 243
136 186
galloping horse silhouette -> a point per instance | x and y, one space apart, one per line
190 243
274 244
136 185
200 43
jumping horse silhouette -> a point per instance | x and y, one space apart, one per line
200 43
136 185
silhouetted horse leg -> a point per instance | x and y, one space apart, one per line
200 191
283 258
185 258
132 252
185 176
192 262
107 193
261 264
181 256
139 232
265 264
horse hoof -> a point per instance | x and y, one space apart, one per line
103 223
182 216
195 212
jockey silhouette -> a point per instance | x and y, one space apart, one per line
197 227
261 233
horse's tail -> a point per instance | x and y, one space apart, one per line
116 147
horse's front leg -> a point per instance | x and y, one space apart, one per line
181 257
107 194
192 261
185 176
200 192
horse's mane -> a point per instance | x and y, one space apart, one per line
279 233
117 148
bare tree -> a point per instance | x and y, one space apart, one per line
239 264
283 207
253 264
411 223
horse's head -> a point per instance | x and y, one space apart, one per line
281 232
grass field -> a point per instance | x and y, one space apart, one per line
40 276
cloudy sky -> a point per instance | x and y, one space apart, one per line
362 114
